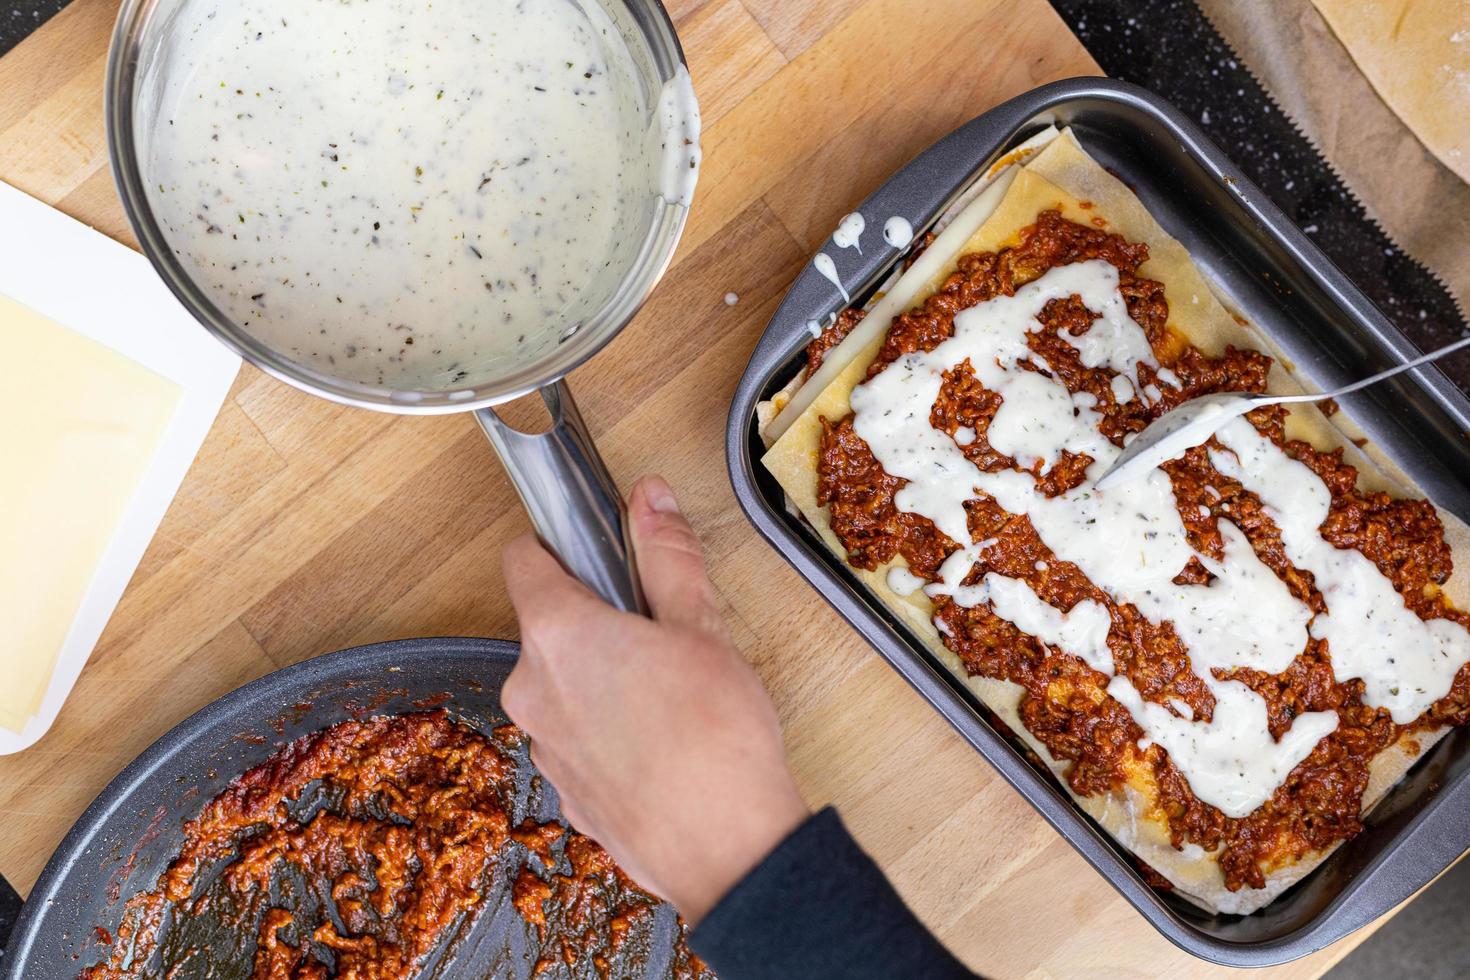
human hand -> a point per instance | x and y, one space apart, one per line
657 734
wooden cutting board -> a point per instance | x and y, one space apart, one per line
305 527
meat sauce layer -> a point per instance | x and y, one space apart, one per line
367 850
1065 702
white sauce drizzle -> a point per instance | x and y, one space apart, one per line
731 299
953 571
849 233
1220 754
1208 618
1129 540
1083 631
903 581
1405 663
898 232
828 269
1231 762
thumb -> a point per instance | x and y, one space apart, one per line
670 560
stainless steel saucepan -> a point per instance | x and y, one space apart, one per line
572 500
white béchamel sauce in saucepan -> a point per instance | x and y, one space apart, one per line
406 192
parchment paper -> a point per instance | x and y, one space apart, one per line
1419 202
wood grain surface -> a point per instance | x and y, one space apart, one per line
305 527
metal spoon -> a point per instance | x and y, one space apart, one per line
1188 425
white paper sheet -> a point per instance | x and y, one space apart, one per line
103 290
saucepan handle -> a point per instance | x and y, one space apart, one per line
574 505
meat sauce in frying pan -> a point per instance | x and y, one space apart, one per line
366 850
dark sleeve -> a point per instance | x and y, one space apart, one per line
818 907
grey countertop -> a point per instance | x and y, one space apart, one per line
19 17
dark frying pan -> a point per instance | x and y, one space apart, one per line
127 837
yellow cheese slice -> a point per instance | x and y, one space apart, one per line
79 424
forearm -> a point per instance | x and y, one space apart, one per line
819 907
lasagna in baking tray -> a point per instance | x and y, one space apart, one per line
1227 662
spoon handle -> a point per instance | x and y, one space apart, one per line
1371 379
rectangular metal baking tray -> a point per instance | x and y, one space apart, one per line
1271 273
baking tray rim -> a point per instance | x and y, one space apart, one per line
933 681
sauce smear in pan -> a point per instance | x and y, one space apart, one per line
370 850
